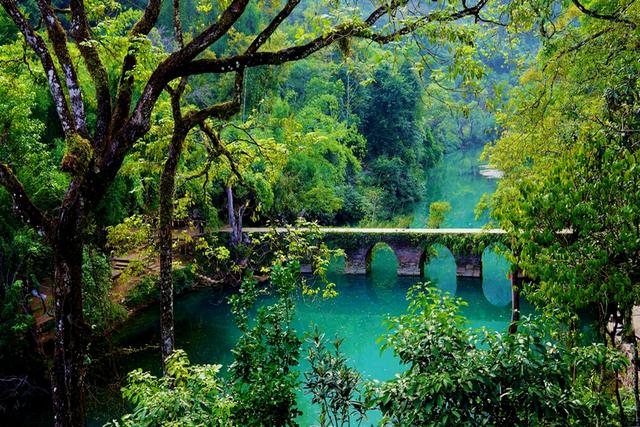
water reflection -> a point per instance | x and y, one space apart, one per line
496 284
441 269
383 272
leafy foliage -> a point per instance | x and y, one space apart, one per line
455 376
262 377
144 292
570 154
187 395
332 384
100 312
335 140
458 376
437 212
16 324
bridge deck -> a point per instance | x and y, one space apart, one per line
347 230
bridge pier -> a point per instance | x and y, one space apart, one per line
468 265
356 261
409 258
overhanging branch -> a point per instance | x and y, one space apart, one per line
24 207
351 29
273 25
614 17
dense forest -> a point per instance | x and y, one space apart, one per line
140 139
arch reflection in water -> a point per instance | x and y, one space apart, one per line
496 284
440 268
382 265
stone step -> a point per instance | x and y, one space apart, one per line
120 262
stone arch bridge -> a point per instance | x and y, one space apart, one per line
412 246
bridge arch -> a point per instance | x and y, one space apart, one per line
408 245
388 255
496 282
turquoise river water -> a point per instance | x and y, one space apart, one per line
205 328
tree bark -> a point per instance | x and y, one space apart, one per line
515 302
636 387
167 189
233 223
67 376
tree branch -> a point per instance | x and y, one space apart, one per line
273 25
614 18
577 46
125 84
59 42
383 10
177 23
351 29
212 34
221 111
25 208
40 48
148 19
214 138
139 121
80 32
183 63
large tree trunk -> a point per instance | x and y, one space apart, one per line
167 189
68 372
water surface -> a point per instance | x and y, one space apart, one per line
456 179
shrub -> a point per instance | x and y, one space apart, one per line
437 212
183 278
457 377
188 395
144 292
99 311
